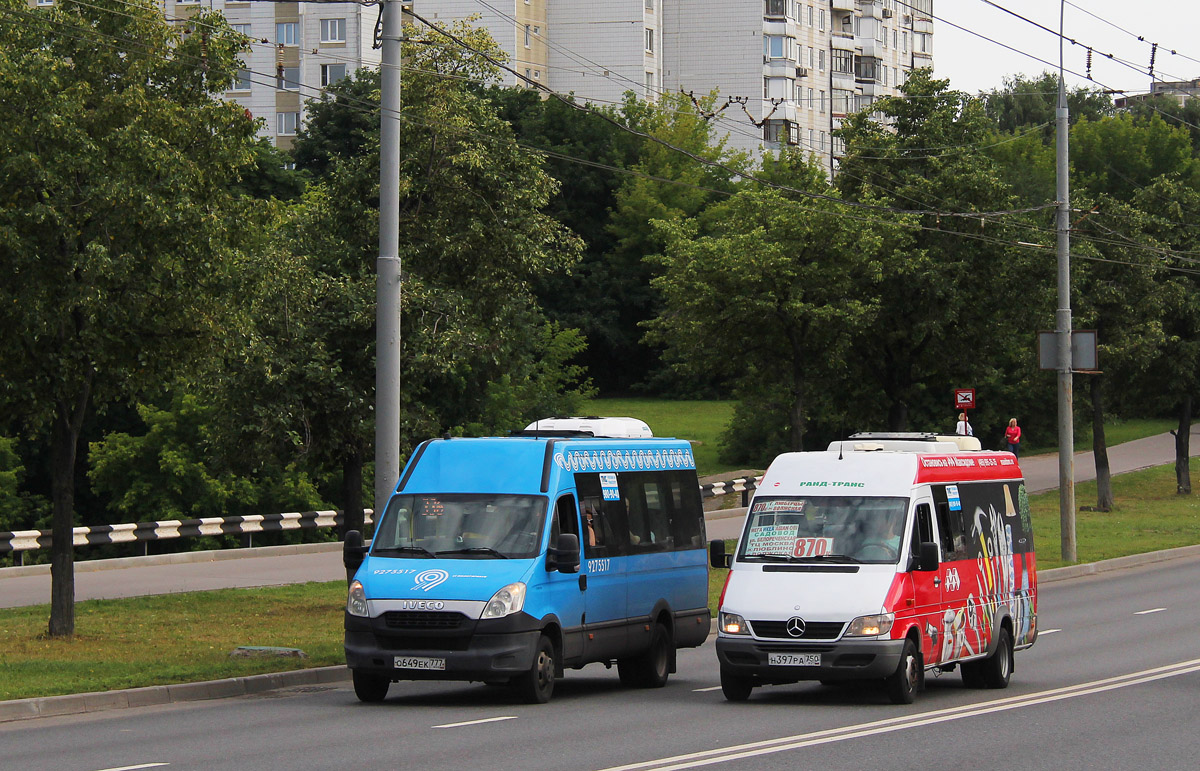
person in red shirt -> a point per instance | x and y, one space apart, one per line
1012 435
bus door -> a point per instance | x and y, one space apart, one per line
927 584
565 593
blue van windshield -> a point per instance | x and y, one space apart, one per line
837 529
461 526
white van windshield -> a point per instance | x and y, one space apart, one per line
825 528
461 526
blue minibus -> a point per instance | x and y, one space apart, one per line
507 560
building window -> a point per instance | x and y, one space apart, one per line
649 79
777 88
537 74
649 4
811 104
241 81
649 41
776 8
810 15
822 141
821 19
528 35
843 61
843 101
777 47
895 39
528 77
923 42
810 140
287 33
287 123
332 73
241 29
822 103
779 131
810 57
821 59
45 2
333 30
904 39
288 79
867 68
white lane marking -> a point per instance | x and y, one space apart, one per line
800 741
1147 612
134 768
477 722
706 690
1048 631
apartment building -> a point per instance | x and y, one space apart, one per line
788 70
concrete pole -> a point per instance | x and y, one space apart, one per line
388 268
1066 425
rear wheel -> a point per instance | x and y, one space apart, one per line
370 688
735 687
972 675
537 685
652 668
902 684
997 668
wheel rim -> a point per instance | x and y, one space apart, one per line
545 671
911 671
1004 663
660 659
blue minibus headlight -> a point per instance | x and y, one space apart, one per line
870 626
508 600
356 600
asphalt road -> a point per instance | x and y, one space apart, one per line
1113 683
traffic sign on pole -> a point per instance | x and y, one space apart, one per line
964 398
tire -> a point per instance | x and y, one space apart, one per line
735 687
652 668
972 674
902 685
997 668
370 689
537 685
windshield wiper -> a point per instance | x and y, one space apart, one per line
404 550
475 550
815 558
770 557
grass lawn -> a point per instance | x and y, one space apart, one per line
700 422
1115 432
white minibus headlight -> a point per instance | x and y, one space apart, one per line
870 626
510 599
356 600
732 623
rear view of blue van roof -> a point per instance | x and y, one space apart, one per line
524 465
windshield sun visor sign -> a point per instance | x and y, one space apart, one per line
625 460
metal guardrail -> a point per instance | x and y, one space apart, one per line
145 532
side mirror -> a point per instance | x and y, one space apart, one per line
927 557
353 552
716 554
567 553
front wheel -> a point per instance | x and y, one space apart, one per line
370 689
652 668
537 685
735 687
997 668
902 684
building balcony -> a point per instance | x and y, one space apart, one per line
843 42
844 5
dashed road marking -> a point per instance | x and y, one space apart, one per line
476 722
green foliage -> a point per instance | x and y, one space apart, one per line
19 510
1024 103
172 472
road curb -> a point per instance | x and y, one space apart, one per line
1117 563
154 695
178 558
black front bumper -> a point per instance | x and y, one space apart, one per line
479 650
841 660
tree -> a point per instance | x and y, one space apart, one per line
769 288
959 300
121 236
1032 103
478 354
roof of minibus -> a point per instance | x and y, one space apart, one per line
880 472
517 465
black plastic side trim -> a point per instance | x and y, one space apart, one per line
412 464
546 465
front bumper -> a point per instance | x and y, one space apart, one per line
480 651
841 660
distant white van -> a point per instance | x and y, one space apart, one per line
883 557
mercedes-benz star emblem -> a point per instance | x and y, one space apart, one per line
795 626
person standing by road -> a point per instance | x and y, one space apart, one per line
964 426
1012 435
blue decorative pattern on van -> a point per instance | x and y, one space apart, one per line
624 460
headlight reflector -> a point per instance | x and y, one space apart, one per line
356 600
508 600
871 626
732 623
